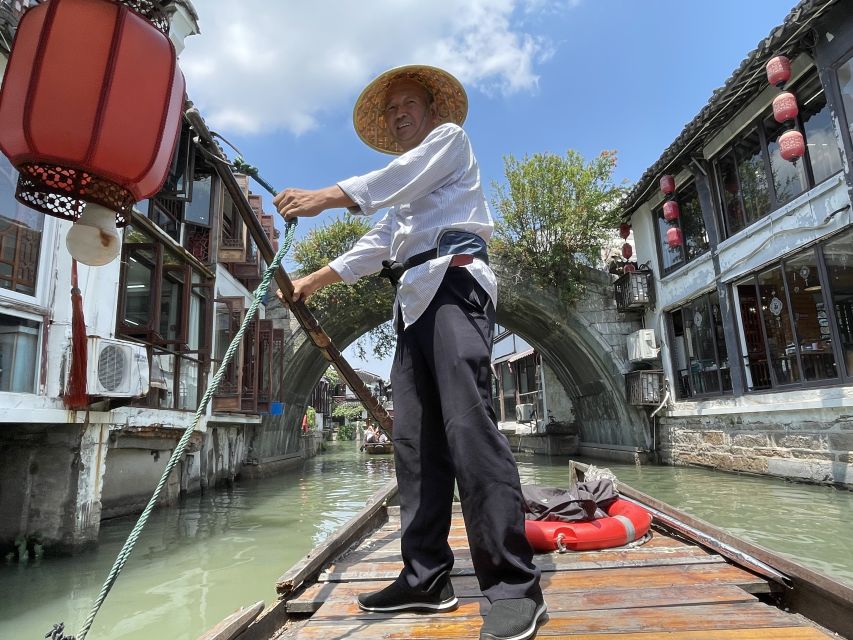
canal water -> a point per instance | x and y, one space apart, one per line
197 562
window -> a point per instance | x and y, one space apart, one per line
19 341
753 179
692 227
791 325
844 75
20 236
838 257
165 303
700 357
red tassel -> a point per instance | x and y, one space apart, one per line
76 396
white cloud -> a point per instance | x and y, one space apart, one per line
261 65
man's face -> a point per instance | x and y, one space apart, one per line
409 114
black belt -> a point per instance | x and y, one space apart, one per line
394 270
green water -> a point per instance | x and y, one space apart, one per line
197 562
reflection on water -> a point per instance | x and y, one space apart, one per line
196 563
810 524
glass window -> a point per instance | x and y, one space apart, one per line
807 307
700 356
824 153
730 197
781 341
19 340
756 368
752 176
172 305
838 256
789 178
20 236
139 283
845 86
197 210
692 227
508 384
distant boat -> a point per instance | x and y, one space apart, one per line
378 447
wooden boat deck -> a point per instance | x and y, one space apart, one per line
667 588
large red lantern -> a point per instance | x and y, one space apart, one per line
624 230
674 237
667 184
778 71
671 210
90 110
792 146
785 107
627 251
629 267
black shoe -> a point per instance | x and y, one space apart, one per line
398 596
513 619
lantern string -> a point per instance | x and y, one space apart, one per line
258 297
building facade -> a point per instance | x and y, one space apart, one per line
158 321
753 277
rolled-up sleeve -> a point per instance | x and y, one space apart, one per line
367 253
412 175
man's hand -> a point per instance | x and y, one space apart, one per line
306 203
305 287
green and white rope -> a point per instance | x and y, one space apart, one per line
126 550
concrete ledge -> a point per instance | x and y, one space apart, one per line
614 452
543 444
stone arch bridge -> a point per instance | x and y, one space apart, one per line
583 344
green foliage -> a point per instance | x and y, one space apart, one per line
347 431
555 216
324 244
311 412
348 411
332 375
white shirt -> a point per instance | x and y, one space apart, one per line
431 188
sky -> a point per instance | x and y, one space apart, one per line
279 78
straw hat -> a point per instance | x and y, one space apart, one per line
448 94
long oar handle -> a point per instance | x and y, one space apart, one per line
312 327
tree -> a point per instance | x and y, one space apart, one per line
315 251
555 216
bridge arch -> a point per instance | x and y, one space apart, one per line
584 344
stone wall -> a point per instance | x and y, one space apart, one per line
806 445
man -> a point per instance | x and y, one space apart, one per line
432 243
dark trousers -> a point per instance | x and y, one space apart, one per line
444 430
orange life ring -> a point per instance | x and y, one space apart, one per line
625 522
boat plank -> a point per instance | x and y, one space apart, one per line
558 584
345 607
391 552
705 618
390 570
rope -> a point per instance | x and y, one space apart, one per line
126 550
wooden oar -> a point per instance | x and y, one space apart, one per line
315 332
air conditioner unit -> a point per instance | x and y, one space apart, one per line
642 345
116 368
523 412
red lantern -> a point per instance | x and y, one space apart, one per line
792 145
91 106
667 184
674 237
624 230
629 266
671 210
778 71
785 107
627 251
